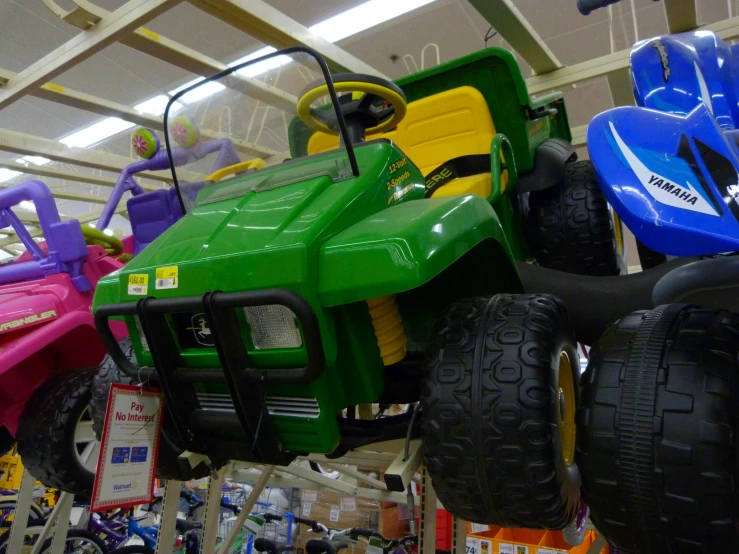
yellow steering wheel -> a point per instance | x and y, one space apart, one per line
113 246
380 108
256 163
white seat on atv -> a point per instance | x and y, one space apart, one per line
436 129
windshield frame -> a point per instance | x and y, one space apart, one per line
344 134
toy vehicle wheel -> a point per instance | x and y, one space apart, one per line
657 430
498 411
79 540
134 549
649 258
571 227
169 464
6 441
55 438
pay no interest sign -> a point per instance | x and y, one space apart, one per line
130 444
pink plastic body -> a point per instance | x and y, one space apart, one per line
46 328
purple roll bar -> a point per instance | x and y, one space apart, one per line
67 250
66 246
226 156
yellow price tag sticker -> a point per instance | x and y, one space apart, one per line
138 284
55 88
149 33
167 277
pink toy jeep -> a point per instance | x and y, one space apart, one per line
49 348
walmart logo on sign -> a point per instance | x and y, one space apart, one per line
661 188
121 488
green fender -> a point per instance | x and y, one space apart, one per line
405 246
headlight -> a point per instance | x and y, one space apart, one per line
273 326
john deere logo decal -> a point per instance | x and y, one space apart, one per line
201 331
678 195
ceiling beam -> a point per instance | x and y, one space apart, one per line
160 47
565 76
619 84
681 15
120 23
578 135
518 32
270 26
88 102
79 177
83 101
30 145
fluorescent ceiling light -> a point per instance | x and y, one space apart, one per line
363 17
36 160
28 205
254 55
96 132
8 174
208 89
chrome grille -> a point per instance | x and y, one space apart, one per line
276 405
293 407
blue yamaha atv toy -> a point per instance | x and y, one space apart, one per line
657 422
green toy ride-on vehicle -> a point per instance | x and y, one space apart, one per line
336 275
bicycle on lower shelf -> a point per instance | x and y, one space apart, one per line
333 541
76 541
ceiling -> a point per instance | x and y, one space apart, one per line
121 74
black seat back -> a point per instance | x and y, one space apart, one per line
321 546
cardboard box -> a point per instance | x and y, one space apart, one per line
391 524
336 511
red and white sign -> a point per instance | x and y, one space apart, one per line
129 449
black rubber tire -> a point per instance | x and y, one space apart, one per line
570 226
6 441
169 465
649 258
134 549
490 415
80 534
656 432
46 432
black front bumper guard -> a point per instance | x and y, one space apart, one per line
197 427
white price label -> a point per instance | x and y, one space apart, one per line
335 512
473 546
138 284
506 548
348 503
306 508
310 495
479 527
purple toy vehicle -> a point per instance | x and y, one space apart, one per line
49 348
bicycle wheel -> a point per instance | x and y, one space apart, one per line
79 541
31 536
7 514
134 549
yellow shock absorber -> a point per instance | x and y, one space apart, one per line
388 328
